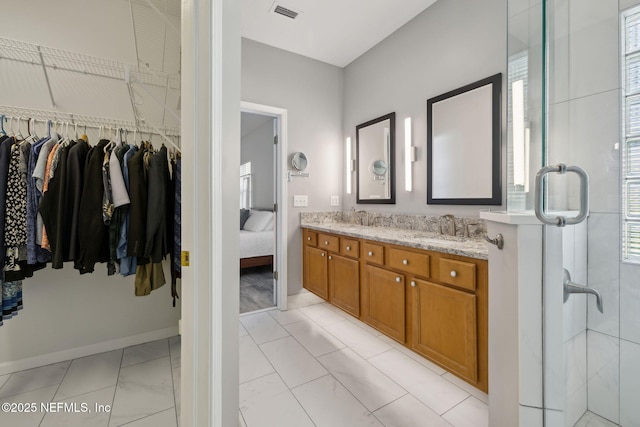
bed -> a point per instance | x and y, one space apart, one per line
256 248
257 238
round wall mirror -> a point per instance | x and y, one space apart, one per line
379 167
299 161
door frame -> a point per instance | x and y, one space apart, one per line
280 174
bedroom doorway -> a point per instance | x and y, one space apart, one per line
261 288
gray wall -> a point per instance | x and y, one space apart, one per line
257 147
450 44
311 91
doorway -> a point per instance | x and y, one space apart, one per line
262 252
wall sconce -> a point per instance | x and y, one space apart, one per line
409 154
520 138
348 164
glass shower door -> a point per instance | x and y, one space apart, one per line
572 100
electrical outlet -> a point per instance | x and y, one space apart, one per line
300 201
335 200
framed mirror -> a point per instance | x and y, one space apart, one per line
375 160
463 145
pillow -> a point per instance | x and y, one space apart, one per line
244 216
271 223
258 221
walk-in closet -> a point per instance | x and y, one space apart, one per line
90 211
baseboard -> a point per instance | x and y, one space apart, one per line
88 350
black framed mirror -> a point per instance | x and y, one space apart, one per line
375 160
463 145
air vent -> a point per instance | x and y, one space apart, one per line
285 12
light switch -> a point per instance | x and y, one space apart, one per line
335 200
300 201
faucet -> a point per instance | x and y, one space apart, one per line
572 288
451 224
364 217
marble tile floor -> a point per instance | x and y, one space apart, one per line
140 384
312 365
315 365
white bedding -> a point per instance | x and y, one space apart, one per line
256 243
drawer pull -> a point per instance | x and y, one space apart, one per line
413 283
326 243
330 257
453 273
405 261
348 248
308 237
398 279
370 253
322 253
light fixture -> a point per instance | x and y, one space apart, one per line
409 154
520 137
348 164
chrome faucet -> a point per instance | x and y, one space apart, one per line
451 224
364 217
572 288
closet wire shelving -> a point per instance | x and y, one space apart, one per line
49 58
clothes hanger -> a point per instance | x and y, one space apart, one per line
2 119
49 124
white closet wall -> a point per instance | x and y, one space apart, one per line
67 315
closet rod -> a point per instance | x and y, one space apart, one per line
88 121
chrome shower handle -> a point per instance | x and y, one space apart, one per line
560 220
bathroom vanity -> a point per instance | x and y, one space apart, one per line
424 290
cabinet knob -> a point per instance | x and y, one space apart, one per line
405 261
398 279
330 257
322 253
413 283
308 237
453 273
326 243
370 253
348 248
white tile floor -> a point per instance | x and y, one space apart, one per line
139 383
313 365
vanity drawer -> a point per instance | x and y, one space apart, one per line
310 238
330 243
350 247
411 262
373 253
458 273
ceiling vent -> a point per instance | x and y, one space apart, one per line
285 12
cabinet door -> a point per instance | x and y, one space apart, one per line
445 328
315 271
344 283
383 301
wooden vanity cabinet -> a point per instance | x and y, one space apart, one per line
332 269
445 326
383 301
433 303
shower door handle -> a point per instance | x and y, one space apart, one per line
560 220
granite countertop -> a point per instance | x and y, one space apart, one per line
469 247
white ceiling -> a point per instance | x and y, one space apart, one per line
332 31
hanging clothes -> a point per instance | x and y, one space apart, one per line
52 207
138 207
35 254
92 232
15 226
128 264
76 159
